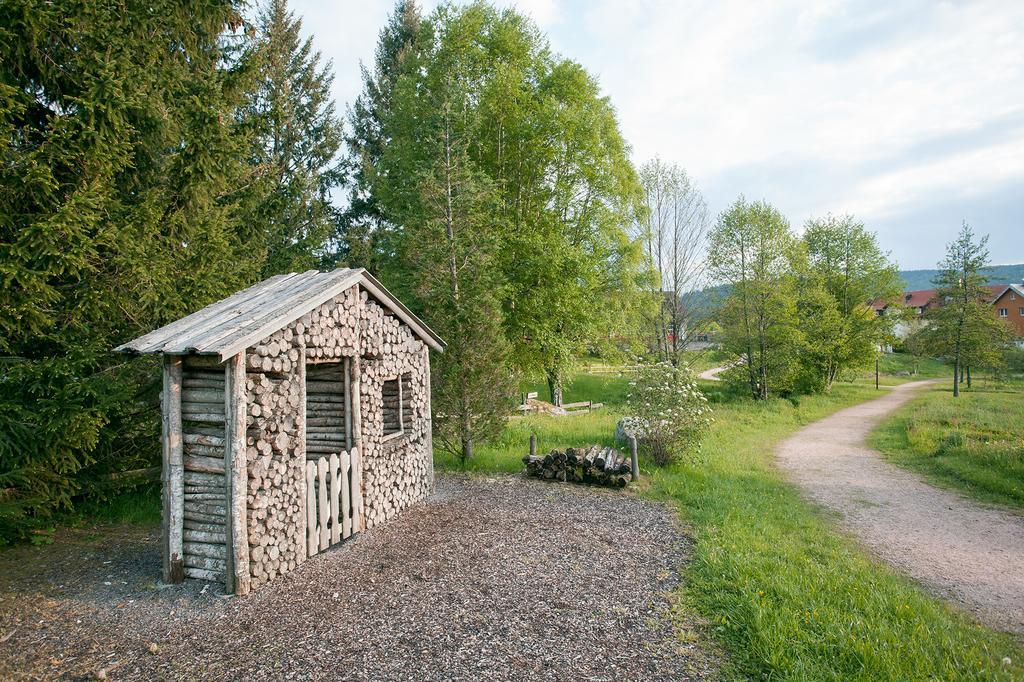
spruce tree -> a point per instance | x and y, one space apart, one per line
296 137
118 212
360 226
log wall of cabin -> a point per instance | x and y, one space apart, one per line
395 472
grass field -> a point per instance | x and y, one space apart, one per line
974 443
786 595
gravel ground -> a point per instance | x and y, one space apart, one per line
968 553
497 578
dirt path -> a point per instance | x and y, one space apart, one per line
970 554
489 579
712 374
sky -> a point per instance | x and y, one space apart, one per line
908 114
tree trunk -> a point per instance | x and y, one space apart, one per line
968 376
467 449
555 386
956 378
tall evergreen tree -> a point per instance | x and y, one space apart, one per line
296 137
119 210
360 225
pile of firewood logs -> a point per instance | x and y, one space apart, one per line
594 464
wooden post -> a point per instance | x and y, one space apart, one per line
312 537
355 399
430 418
533 445
236 476
300 453
347 371
173 474
633 461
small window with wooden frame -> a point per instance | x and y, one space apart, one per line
396 395
328 412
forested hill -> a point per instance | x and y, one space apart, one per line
997 274
913 281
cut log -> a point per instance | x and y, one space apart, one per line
192 561
204 450
206 549
205 479
205 465
200 395
204 574
202 439
203 417
205 526
211 537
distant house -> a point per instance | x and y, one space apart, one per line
922 300
1008 305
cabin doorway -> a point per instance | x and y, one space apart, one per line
333 466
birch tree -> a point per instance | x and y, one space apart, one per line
673 233
751 250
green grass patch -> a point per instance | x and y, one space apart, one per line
907 367
785 594
608 388
974 443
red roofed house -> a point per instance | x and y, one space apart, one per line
1007 302
1008 305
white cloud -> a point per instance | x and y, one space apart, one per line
813 106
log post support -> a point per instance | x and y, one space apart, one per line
355 400
173 474
533 445
237 578
429 420
300 454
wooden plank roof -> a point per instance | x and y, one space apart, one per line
233 324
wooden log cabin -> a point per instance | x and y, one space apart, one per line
295 413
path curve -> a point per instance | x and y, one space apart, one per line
968 553
712 374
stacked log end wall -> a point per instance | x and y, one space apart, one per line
395 472
396 469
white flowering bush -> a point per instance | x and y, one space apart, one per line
670 414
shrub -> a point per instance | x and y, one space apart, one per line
671 415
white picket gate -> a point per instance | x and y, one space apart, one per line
334 500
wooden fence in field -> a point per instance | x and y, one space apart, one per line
334 500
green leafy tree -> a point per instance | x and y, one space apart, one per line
448 249
120 195
296 136
845 271
361 225
752 249
536 130
961 328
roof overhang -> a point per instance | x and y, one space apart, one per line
241 320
